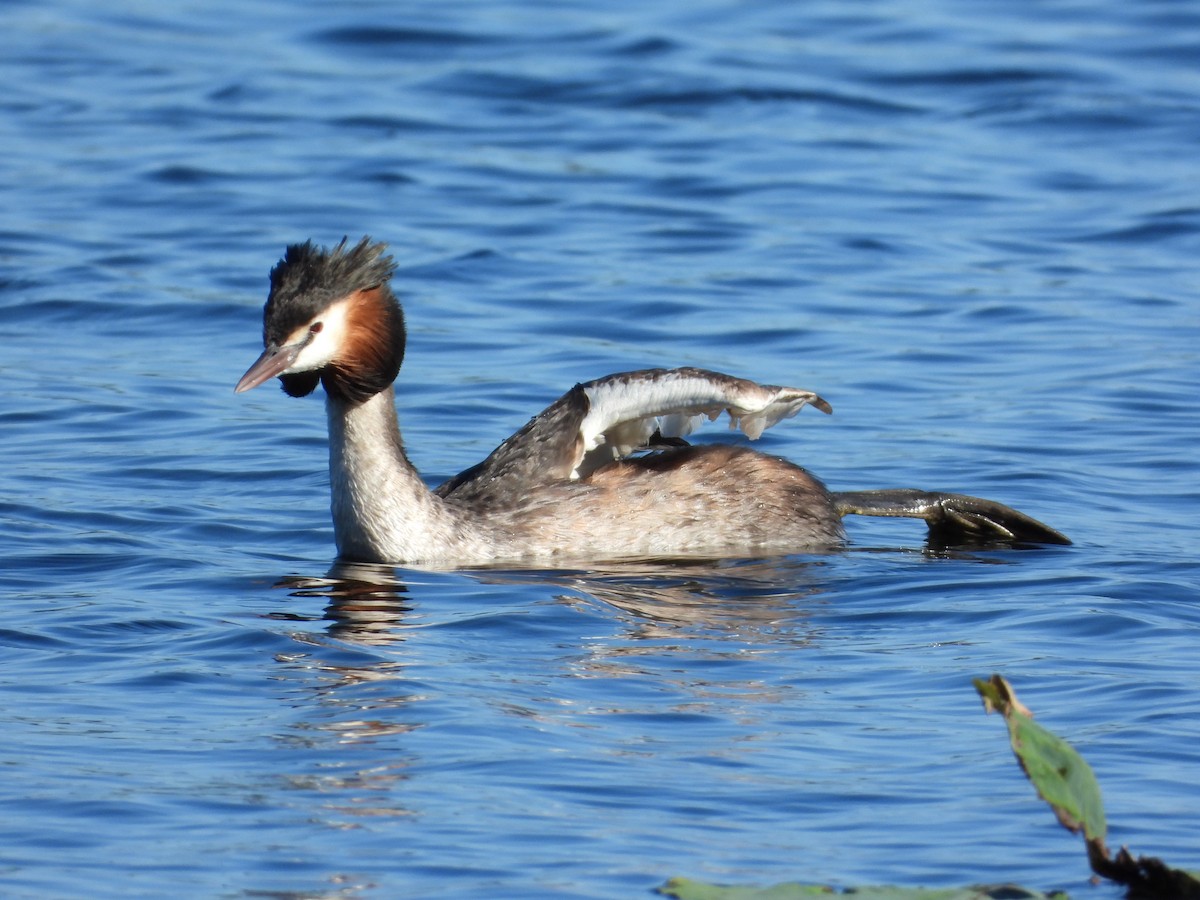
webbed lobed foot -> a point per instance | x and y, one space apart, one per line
953 519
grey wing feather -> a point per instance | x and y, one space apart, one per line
612 417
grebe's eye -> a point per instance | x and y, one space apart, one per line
315 327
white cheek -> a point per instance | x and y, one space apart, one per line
323 347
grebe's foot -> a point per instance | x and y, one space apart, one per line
953 519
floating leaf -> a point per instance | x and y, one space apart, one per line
686 889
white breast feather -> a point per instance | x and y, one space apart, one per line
625 410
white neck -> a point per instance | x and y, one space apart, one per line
382 510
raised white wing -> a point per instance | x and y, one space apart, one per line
625 411
594 423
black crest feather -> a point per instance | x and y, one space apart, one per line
305 282
309 278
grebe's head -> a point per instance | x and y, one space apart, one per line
331 317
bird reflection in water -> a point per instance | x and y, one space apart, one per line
366 601
371 603
763 599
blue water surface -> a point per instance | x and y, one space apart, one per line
972 227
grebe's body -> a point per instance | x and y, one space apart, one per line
567 486
539 495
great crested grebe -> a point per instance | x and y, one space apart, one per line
565 487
